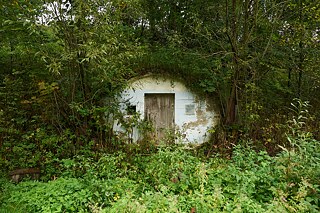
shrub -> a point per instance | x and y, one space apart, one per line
174 180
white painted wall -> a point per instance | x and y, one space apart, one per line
193 125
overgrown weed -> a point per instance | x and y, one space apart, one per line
175 180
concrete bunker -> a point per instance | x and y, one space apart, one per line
170 107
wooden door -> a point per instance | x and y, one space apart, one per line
159 110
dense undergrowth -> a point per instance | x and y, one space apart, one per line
174 179
59 79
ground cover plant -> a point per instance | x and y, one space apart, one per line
174 179
63 63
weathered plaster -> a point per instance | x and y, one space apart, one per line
193 116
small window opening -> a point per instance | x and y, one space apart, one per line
131 109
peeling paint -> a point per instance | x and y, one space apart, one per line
193 127
201 120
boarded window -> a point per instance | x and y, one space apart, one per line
190 108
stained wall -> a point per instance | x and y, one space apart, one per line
193 116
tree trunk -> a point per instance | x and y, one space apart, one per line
231 112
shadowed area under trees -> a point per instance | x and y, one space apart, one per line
63 63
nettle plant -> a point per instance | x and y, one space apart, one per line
132 123
298 164
300 116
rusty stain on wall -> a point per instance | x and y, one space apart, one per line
193 116
201 120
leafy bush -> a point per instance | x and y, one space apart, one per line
174 180
69 195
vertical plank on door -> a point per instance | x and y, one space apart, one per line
159 110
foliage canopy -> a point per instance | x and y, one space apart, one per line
62 63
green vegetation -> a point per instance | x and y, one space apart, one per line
63 63
173 179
